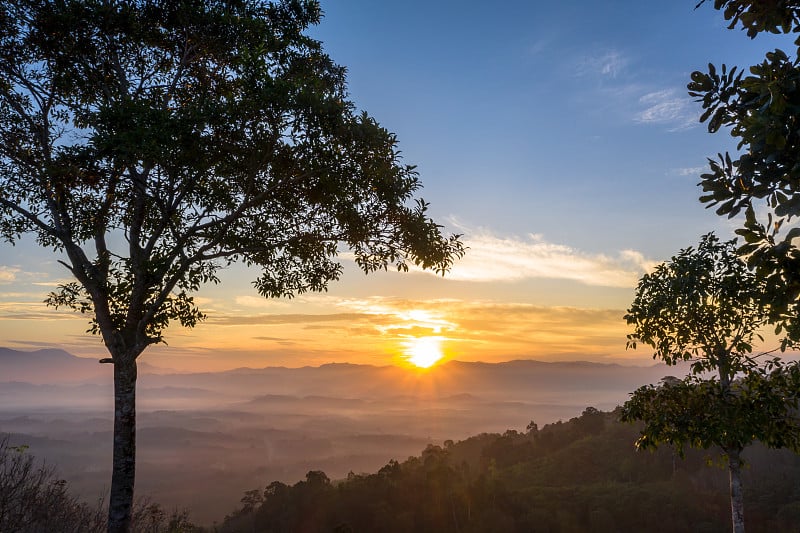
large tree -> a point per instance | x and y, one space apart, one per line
762 181
705 306
151 143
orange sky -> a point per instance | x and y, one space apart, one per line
367 319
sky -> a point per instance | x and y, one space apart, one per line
557 137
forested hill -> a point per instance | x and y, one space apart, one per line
580 475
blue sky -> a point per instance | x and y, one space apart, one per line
558 137
568 119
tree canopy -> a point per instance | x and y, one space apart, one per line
703 306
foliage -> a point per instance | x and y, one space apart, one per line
150 517
703 306
703 413
569 476
762 110
204 133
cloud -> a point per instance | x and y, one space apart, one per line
30 296
491 330
36 311
28 278
690 171
542 43
667 107
8 274
638 259
273 319
278 340
407 312
606 64
495 259
53 284
259 302
412 331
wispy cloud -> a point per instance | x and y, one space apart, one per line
491 258
259 302
667 107
607 64
617 86
403 311
372 329
543 42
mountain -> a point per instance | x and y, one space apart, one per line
55 366
49 366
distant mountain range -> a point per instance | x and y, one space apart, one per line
513 381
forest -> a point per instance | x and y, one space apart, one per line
579 475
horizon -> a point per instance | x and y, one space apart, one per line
404 365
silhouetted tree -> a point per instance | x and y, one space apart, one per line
706 306
591 421
151 143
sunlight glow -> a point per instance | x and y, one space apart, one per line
424 352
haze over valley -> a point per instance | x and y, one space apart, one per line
205 438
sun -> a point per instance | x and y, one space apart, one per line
424 352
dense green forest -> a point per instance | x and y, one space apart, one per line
579 475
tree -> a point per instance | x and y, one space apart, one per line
151 143
705 306
591 422
762 110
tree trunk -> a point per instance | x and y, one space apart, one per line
737 497
124 466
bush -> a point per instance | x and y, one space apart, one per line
34 500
